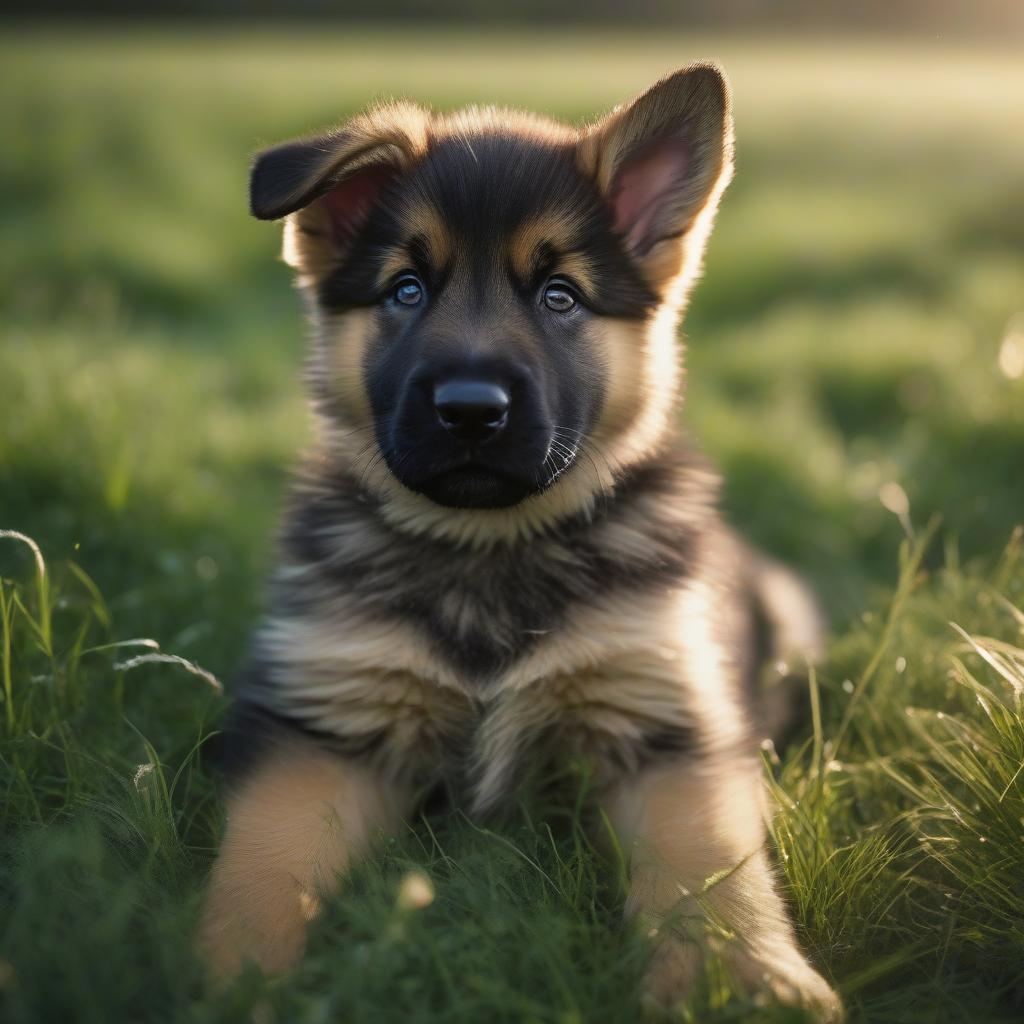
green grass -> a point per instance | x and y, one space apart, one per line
862 283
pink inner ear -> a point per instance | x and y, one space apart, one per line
642 189
350 201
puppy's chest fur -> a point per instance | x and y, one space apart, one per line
425 655
482 609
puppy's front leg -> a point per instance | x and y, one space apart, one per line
293 826
696 838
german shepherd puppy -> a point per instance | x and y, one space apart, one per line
499 549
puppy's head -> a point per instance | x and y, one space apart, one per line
496 295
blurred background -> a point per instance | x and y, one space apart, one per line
856 350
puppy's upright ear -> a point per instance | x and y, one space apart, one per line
327 185
662 163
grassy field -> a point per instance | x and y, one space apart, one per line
856 367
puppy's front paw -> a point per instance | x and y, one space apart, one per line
788 977
230 936
671 974
675 965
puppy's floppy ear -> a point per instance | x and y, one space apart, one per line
662 162
326 185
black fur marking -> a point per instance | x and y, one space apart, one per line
611 756
282 176
659 743
484 609
759 643
666 742
250 731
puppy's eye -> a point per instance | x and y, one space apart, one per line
559 297
408 291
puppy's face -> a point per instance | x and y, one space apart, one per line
489 288
484 273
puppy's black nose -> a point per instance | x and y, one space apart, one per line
471 410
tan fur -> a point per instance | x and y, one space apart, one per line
643 382
575 491
292 828
476 118
371 676
393 263
559 232
424 224
342 349
601 710
306 245
620 666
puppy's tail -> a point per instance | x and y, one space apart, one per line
790 629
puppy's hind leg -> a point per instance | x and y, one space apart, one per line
790 628
294 824
700 878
